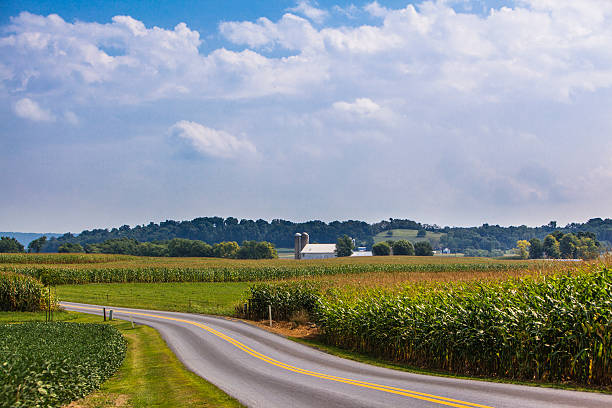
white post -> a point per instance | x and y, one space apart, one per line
270 314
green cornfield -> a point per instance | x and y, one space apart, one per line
52 364
552 328
19 293
285 299
235 273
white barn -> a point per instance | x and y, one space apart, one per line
318 251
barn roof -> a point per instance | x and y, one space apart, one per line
319 249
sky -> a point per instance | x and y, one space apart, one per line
453 112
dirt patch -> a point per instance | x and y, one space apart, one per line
100 399
288 329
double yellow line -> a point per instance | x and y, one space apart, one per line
393 390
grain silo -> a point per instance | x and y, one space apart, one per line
298 245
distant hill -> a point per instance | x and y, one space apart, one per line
26 237
409 235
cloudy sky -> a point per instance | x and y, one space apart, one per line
449 112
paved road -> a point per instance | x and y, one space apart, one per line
262 369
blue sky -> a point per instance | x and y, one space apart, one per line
449 112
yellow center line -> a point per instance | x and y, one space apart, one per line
408 393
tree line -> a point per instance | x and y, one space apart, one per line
177 247
582 245
485 240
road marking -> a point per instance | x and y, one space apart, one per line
399 391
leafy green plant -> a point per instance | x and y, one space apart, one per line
51 364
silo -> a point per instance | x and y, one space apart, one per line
305 240
298 246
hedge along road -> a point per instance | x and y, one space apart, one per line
262 369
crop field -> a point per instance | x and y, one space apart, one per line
552 327
51 364
124 269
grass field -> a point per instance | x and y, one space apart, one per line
407 234
195 297
151 375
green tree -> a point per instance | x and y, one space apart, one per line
257 250
71 248
8 244
422 233
423 248
381 249
569 246
522 248
588 248
344 246
551 247
37 244
227 249
536 248
402 247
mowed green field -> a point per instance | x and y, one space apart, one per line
407 234
195 297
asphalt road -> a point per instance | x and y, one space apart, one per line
262 369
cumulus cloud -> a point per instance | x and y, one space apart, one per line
211 142
309 10
29 109
510 91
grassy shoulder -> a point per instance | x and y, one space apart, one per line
151 375
195 297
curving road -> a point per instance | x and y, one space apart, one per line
262 369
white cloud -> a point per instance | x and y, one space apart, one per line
211 142
361 106
71 118
307 9
435 83
29 109
376 9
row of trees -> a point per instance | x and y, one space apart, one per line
402 247
10 245
582 245
178 247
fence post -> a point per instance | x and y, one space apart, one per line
110 314
104 310
270 314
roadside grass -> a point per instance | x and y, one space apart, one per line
380 362
194 297
151 375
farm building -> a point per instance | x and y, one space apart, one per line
305 250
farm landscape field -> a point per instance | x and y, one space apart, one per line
353 287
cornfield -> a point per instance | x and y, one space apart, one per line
80 274
555 328
20 293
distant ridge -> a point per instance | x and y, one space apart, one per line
26 237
